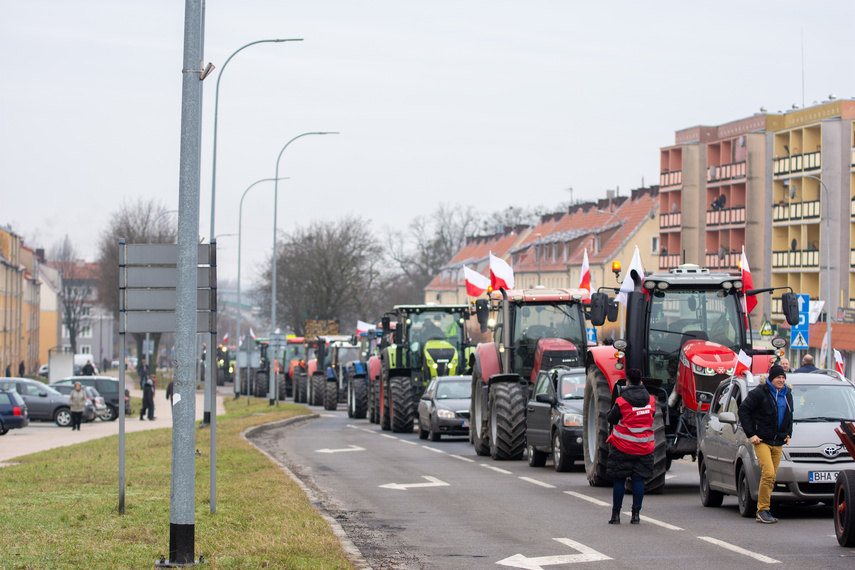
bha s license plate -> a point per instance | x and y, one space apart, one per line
822 476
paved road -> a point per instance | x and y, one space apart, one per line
464 511
39 436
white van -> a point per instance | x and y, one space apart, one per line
80 361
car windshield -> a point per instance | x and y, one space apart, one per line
454 389
571 386
549 320
823 403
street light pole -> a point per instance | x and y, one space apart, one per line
829 357
539 257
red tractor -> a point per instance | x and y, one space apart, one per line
533 329
683 330
290 362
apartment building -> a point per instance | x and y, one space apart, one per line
19 306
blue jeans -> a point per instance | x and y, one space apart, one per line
637 492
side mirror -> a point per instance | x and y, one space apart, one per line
614 307
544 398
482 313
727 418
599 308
384 324
790 308
42 394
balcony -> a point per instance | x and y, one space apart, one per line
798 259
729 260
793 211
673 220
673 178
726 216
797 163
668 261
721 173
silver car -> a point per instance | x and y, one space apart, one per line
810 463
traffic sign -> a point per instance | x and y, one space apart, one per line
800 334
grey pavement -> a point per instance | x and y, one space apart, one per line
39 436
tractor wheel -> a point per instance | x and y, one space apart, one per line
349 391
300 389
317 393
331 395
656 484
401 406
221 377
283 387
507 420
360 397
598 402
844 508
478 415
259 390
373 405
385 407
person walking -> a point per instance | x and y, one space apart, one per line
631 450
807 364
88 369
147 399
766 416
77 404
170 388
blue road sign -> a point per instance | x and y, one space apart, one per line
800 334
592 335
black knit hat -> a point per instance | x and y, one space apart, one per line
776 371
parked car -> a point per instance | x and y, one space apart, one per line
810 463
43 402
107 386
13 411
43 370
554 418
444 407
91 410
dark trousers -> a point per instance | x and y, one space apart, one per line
637 492
75 420
150 409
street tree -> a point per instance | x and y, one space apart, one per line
77 288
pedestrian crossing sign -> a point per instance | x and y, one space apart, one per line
798 340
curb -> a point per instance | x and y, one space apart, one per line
351 551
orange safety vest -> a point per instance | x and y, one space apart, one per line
633 434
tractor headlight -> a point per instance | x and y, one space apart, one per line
702 370
445 414
572 420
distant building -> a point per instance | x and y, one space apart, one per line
19 305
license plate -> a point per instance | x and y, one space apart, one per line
465 424
822 476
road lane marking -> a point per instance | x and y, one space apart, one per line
536 482
654 521
433 449
432 482
408 442
387 435
461 458
739 550
496 469
350 448
589 499
586 554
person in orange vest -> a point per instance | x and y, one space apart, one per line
631 450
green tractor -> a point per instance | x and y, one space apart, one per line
427 341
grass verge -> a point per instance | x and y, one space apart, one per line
60 507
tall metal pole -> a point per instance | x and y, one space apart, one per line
182 528
829 356
539 256
275 208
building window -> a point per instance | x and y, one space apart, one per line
654 245
86 331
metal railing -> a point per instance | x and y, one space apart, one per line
787 211
672 220
673 178
798 259
726 216
719 173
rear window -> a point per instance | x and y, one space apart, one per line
5 399
107 386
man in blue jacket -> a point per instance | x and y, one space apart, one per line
766 416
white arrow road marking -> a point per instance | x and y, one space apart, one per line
351 448
738 550
432 482
537 563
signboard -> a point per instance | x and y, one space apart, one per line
800 334
316 328
766 329
592 336
845 315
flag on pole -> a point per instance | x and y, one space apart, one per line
838 361
585 281
252 334
476 284
743 363
629 281
226 338
823 352
747 283
501 274
363 327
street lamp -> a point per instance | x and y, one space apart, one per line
275 203
829 357
539 256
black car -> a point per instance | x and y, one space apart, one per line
444 407
13 411
554 418
43 402
107 386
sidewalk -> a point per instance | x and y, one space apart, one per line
39 436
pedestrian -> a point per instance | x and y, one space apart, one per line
807 364
169 390
785 364
88 369
77 403
147 400
21 369
105 365
631 450
766 416
142 370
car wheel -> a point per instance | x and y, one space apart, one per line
709 497
62 417
109 414
3 428
423 433
535 458
844 508
434 434
560 460
747 505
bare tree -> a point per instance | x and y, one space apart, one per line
76 288
135 222
512 216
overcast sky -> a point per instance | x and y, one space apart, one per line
471 102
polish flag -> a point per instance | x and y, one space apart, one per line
501 274
743 363
252 334
476 284
226 338
749 302
628 280
838 361
363 327
585 282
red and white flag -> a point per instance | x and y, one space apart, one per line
501 274
226 338
363 327
743 363
629 279
252 334
749 302
838 361
585 282
476 284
